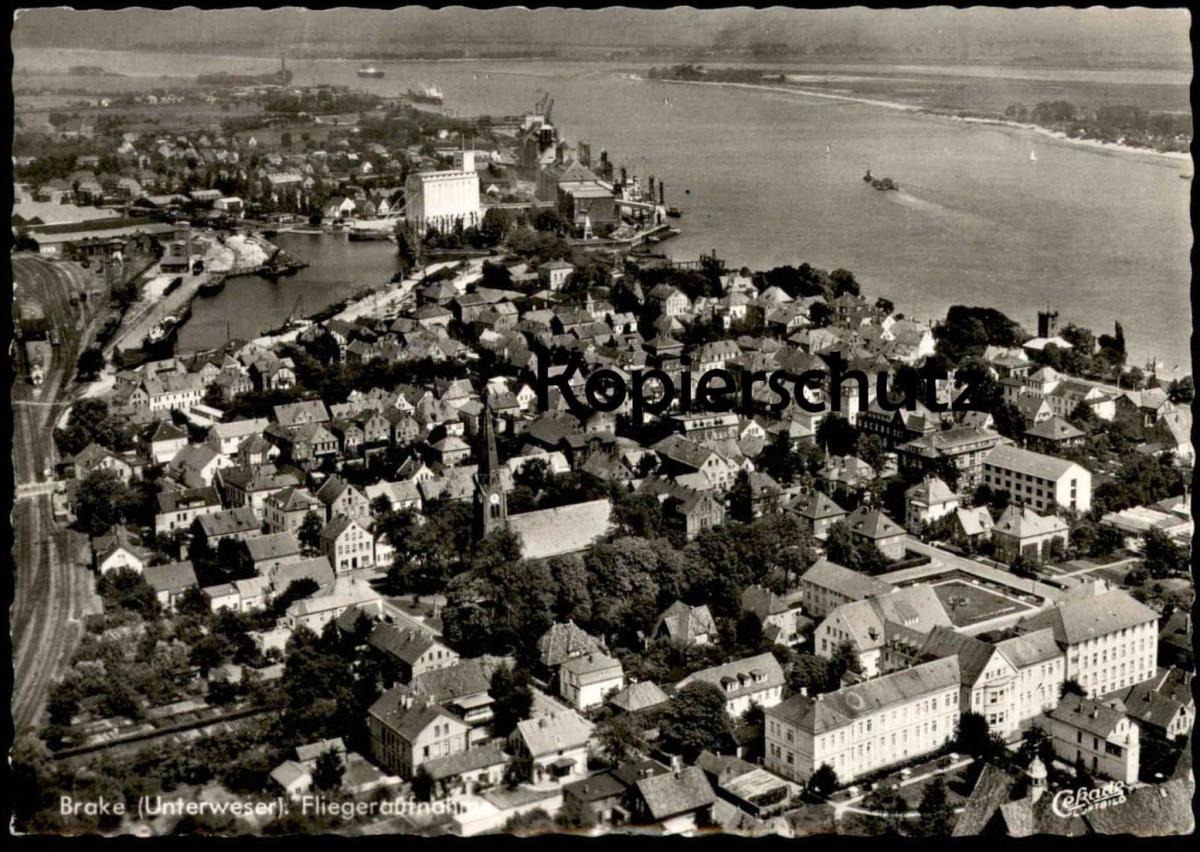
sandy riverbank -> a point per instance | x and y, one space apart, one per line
1089 144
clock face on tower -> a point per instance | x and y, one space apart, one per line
495 499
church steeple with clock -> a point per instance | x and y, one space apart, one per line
491 506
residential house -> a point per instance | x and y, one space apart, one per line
1023 532
177 510
753 680
1105 739
586 681
556 743
348 545
409 730
928 501
169 582
685 625
676 802
413 650
873 526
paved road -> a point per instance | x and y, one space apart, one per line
52 590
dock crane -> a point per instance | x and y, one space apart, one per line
544 107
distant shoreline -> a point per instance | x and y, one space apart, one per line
1059 136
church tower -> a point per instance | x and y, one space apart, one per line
491 506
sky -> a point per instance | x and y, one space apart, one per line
1107 35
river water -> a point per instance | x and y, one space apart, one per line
767 178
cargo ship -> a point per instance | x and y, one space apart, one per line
883 184
370 71
427 95
212 285
359 234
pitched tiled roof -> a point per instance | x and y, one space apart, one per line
174 577
973 654
740 675
564 641
407 715
833 710
442 768
1088 714
554 732
227 521
404 644
815 505
273 546
844 581
563 529
873 524
638 696
1077 619
1009 457
674 793
992 789
465 678
684 623
1023 522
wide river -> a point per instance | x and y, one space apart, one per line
768 178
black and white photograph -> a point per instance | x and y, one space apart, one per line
502 422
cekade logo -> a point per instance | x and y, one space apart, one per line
1069 803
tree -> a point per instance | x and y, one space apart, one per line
887 809
127 589
295 591
845 659
1083 775
207 654
327 772
823 782
695 720
512 695
843 282
422 785
871 450
1182 391
741 507
1035 742
100 501
1070 686
408 253
90 363
937 816
812 674
1164 558
620 738
972 734
309 533
1023 566
63 702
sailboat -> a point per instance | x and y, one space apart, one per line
828 149
1033 156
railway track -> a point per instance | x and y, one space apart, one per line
51 590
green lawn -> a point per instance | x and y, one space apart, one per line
967 604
